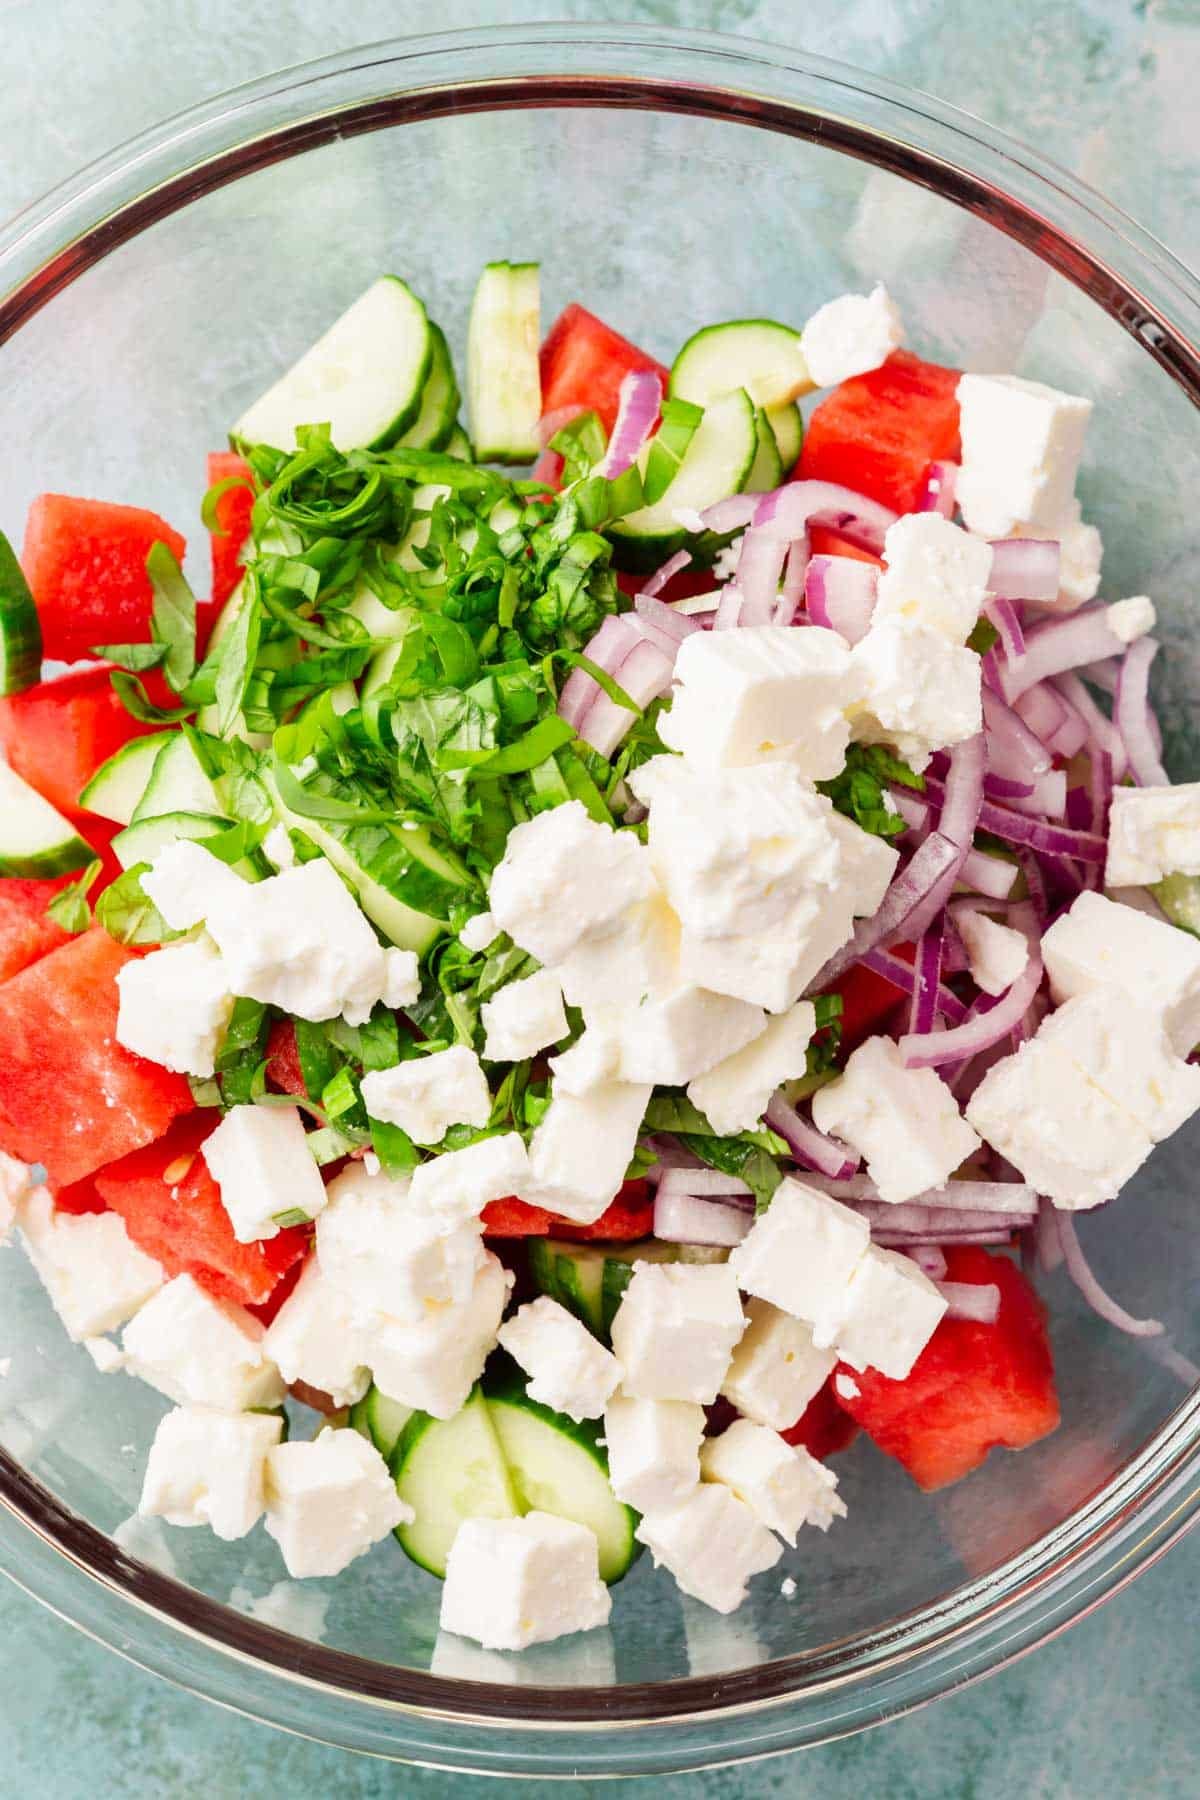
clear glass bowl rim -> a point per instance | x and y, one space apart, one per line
171 1629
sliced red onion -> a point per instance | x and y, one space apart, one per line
661 623
1132 716
1035 834
1099 1301
1101 731
988 875
644 674
1003 615
1025 569
931 1049
1013 749
785 513
1014 1198
914 1240
1101 786
795 576
670 1154
931 1260
1058 645
808 1145
941 485
1103 675
696 606
704 1183
963 793
674 565
638 403
932 866
759 569
912 809
729 609
903 975
927 987
731 514
840 592
977 1301
1001 787
613 642
686 1219
1042 710
1048 799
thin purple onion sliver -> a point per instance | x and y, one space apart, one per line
1132 716
1101 1302
975 1301
808 1145
903 975
638 403
759 570
940 491
931 1260
933 1048
1003 615
927 987
1059 645
706 1184
674 565
840 594
663 618
688 1219
1025 569
1014 749
1102 734
787 510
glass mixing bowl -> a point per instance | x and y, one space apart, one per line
665 180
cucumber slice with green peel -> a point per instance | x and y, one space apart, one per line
758 355
788 425
440 398
449 1470
380 1419
504 387
590 1279
20 627
458 445
716 463
142 841
118 784
1179 897
35 840
177 783
364 378
767 470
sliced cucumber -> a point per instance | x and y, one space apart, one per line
716 463
788 426
458 445
35 839
1179 897
504 388
434 424
177 783
364 378
380 1419
590 1279
449 1470
20 628
755 354
767 470
119 783
142 841
667 448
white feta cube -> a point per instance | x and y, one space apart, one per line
937 575
784 1488
515 1582
1021 446
426 1095
314 1339
582 1147
801 1252
1131 619
568 1369
868 866
105 1354
1081 552
208 1468
669 1040
653 1450
776 1368
593 1059
16 1181
733 1094
185 882
851 336
996 953
456 1186
675 1330
1100 944
712 1544
905 1122
174 1006
95 1276
524 1017
888 1314
479 933
329 1501
638 957
199 1351
565 878
1124 1050
387 1254
401 978
259 1158
432 1363
1152 832
921 693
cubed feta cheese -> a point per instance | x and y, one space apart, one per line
1131 619
401 978
776 1368
638 957
712 1544
734 1093
186 882
16 1180
888 1314
801 1252
766 693
868 866
997 954
208 1468
568 1370
675 1330
668 1040
314 1339
905 1122
199 1351
921 693
653 1450
329 1500
582 1147
937 575
456 1186
564 878
1021 445
387 1254
851 335
279 849
1124 1050
426 1095
1081 552
784 1488
1100 944
433 1362
105 1354
259 1158
593 1058
1152 832
478 933
174 1006
95 1277
515 1582
524 1017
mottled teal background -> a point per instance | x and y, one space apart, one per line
1109 87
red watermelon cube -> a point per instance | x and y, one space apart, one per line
85 562
27 931
233 516
583 363
57 733
822 1428
629 1217
284 1070
878 433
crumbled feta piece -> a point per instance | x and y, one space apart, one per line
564 878
675 1330
433 1362
801 1252
174 1007
851 336
16 1180
1101 944
199 1351
996 953
868 865
639 957
1152 832
279 849
905 1122
259 1158
846 1387
1081 552
515 1582
105 1354
766 693
593 1058
1021 445
186 882
784 1488
314 1339
95 1276
456 1186
937 575
329 1501
479 933
389 1255
426 1095
712 1544
787 1588
653 1450
776 1368
401 978
733 1094
922 693
887 1315
524 1017
207 1468
1124 1050
582 1147
669 1040
568 1370
1131 619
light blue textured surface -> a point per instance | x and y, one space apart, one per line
1109 87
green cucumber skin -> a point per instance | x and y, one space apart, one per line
435 431
20 627
691 372
122 771
426 1539
64 859
644 539
787 422
766 471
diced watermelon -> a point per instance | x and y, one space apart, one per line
233 516
283 1060
70 1096
583 362
266 1310
79 1197
628 1217
27 931
85 561
878 433
973 1387
822 1428
172 1210
57 733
